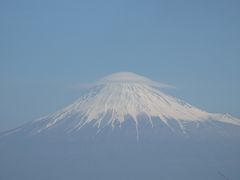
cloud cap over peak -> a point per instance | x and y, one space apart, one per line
130 77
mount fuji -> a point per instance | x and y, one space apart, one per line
124 127
125 97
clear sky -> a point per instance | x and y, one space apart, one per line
48 48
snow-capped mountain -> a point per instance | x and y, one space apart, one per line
123 127
121 97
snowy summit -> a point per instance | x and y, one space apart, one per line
125 96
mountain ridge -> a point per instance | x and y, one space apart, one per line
123 96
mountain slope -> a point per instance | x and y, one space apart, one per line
95 138
120 97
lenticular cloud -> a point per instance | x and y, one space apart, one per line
128 77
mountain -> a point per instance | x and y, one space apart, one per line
124 128
122 97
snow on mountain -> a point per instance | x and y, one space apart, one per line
116 96
123 127
113 99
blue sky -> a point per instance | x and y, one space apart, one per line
49 47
